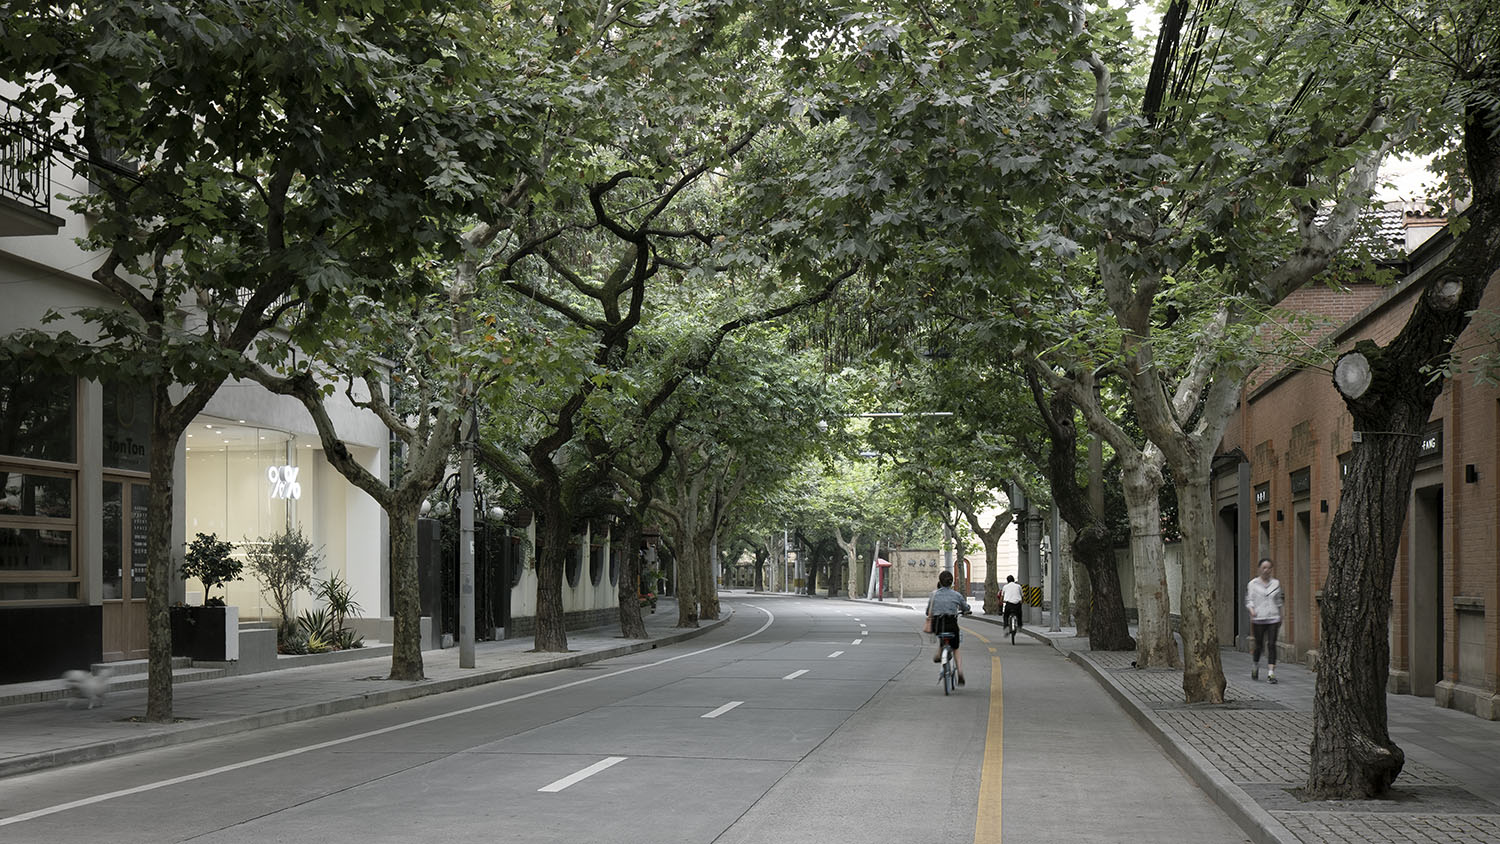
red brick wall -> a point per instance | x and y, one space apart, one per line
1291 419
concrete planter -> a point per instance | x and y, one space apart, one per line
210 634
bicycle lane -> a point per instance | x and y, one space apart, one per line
1062 763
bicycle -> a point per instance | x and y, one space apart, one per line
947 675
1013 623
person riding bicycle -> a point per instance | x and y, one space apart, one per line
1010 594
944 607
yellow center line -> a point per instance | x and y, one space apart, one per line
987 823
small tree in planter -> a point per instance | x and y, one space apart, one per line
209 632
284 563
208 559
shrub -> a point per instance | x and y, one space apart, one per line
208 559
283 563
334 591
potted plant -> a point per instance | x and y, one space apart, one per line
210 632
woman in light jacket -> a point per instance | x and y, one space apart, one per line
1264 598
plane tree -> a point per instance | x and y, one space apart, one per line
1389 390
251 160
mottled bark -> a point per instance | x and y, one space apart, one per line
1155 645
406 601
991 574
708 587
850 548
1203 671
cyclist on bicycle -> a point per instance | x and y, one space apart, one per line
1010 593
944 607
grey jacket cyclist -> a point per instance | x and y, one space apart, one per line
944 607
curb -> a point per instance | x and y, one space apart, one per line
1252 819
422 688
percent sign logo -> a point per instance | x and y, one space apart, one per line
284 482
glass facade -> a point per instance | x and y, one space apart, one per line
230 491
38 486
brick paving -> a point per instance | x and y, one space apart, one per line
1258 741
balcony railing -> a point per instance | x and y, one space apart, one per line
25 166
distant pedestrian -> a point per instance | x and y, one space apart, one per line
1264 599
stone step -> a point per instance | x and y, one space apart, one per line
137 666
44 690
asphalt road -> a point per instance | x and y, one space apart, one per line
802 720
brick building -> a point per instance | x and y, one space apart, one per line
1279 484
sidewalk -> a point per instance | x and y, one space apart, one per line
1250 754
53 730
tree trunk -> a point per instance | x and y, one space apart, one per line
1105 622
628 534
1083 595
851 553
1155 645
159 565
761 554
1390 396
687 585
1108 628
1203 671
1353 756
551 622
708 588
406 600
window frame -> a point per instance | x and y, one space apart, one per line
70 471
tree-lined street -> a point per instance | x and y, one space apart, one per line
701 290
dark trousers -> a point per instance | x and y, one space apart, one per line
1265 634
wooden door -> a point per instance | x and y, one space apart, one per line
126 509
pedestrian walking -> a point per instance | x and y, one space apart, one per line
1264 599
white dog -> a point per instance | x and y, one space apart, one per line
90 687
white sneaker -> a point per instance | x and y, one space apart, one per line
1271 676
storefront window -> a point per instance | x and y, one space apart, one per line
37 415
229 488
38 558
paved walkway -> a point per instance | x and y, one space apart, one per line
41 728
1250 754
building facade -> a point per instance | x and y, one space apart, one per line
1279 489
76 469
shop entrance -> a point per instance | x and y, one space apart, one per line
126 516
1426 611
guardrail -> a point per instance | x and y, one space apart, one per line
25 165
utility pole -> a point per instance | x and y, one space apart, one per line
1056 567
466 545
